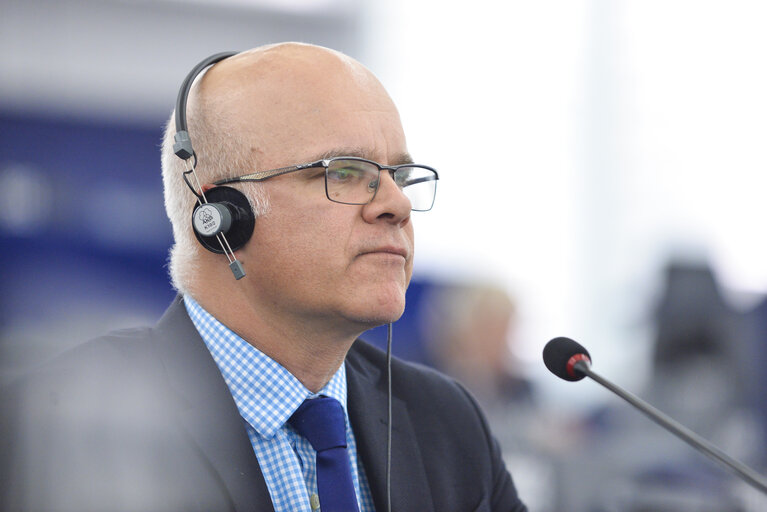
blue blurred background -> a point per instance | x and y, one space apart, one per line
603 177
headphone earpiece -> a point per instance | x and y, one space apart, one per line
227 212
223 220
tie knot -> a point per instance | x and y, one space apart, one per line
321 421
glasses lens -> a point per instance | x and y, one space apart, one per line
351 181
419 184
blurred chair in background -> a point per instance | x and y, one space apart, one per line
703 376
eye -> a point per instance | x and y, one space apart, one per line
346 174
316 174
402 178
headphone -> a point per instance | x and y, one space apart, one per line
223 219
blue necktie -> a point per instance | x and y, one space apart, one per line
321 421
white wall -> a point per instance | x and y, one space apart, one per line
582 144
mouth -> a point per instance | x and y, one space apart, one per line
386 251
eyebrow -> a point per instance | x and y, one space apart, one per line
359 152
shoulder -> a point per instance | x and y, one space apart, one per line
416 383
104 357
439 408
105 360
461 458
111 373
96 382
107 384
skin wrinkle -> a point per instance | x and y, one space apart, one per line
310 290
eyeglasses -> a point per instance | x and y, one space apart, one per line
352 180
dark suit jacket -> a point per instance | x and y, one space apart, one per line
142 420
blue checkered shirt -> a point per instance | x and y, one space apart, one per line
267 395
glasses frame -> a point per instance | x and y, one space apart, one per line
325 162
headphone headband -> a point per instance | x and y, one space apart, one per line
183 144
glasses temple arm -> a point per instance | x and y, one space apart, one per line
263 175
422 180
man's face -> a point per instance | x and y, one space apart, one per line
310 259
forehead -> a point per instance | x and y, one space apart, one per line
360 152
300 103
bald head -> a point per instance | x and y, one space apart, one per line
281 95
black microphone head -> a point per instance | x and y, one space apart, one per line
559 356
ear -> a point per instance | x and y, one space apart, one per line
237 206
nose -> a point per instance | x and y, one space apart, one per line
389 202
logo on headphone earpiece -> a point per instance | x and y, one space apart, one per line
207 220
206 217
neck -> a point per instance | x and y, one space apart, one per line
310 349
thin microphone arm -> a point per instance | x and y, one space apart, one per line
682 432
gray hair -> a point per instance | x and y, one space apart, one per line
221 153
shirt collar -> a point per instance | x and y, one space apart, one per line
265 392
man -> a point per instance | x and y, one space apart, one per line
197 412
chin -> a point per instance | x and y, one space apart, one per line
379 309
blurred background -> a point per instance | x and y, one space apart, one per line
602 169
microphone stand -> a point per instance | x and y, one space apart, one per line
682 432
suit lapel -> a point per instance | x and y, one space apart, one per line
367 406
206 409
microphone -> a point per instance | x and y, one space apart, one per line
569 360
